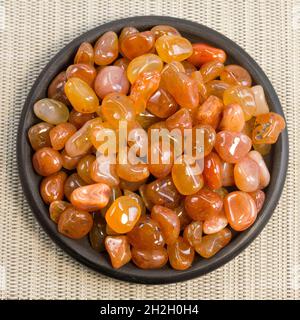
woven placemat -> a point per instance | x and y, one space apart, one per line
33 267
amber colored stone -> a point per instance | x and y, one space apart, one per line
267 128
84 168
83 71
227 174
137 44
73 182
213 171
193 233
242 96
187 176
209 112
116 192
213 243
136 198
184 218
122 63
60 134
69 163
81 96
211 70
146 234
233 118
78 119
215 223
163 192
259 199
240 210
85 54
232 146
264 174
204 203
123 214
148 203
173 48
52 187
168 221
183 88
75 223
181 254
38 135
145 63
164 30
162 104
102 170
203 53
236 75
143 88
247 175
149 259
198 78
98 234
180 120
116 107
106 48
207 138
56 89
118 249
46 161
92 197
79 143
56 208
216 88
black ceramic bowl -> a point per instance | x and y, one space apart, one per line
81 249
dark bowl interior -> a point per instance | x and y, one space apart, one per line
81 250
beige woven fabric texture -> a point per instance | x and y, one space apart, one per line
31 265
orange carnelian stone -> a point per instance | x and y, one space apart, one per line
60 134
187 176
168 221
193 233
81 95
173 48
204 203
181 254
240 210
75 223
259 198
146 234
213 171
85 54
210 112
106 48
163 192
233 118
203 53
52 187
267 128
149 259
118 249
73 182
183 88
137 44
211 70
232 146
92 197
213 243
143 88
215 223
236 75
83 71
46 161
123 214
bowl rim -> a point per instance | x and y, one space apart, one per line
239 243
